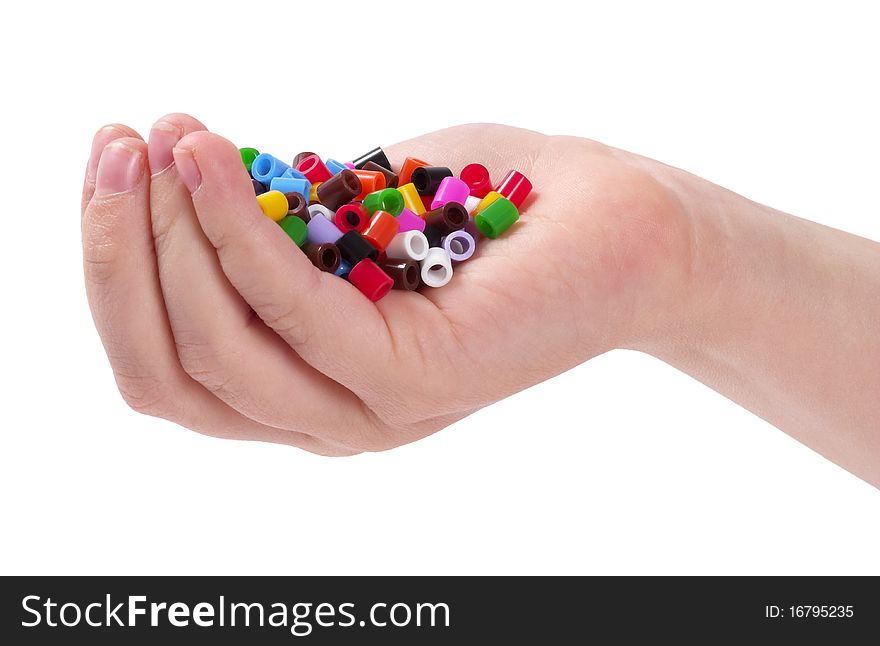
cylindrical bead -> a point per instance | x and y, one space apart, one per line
410 245
388 199
292 172
515 187
313 193
491 196
406 274
314 169
427 178
323 256
433 234
351 217
259 188
476 176
371 181
273 204
297 205
334 166
390 176
381 230
319 210
322 230
471 203
451 189
409 221
411 198
265 167
436 268
377 156
460 245
248 155
354 248
447 218
368 277
409 165
300 156
496 218
295 228
343 269
291 185
339 189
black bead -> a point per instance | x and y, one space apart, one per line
427 178
354 247
377 156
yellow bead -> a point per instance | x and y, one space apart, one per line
274 204
313 193
491 196
411 198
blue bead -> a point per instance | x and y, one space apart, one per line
291 185
334 166
265 168
292 172
343 269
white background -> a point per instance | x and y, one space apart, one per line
620 466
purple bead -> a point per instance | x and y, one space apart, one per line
321 230
451 189
409 221
460 245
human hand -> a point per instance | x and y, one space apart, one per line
212 319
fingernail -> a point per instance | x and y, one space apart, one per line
187 168
118 170
163 137
102 138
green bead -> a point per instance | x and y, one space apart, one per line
248 155
388 199
296 228
496 218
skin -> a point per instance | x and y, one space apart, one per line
212 319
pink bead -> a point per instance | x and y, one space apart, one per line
409 221
349 165
451 189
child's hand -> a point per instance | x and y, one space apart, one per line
213 319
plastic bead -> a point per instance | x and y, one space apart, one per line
515 187
295 228
292 172
319 210
406 169
273 204
476 176
377 156
409 221
411 198
370 279
434 235
297 205
381 230
436 268
334 166
314 169
259 188
265 168
343 269
351 217
291 185
390 176
313 193
354 248
371 181
339 189
248 155
322 230
388 199
496 218
410 245
447 218
471 228
451 189
471 203
349 166
460 245
300 156
491 196
323 256
405 273
427 178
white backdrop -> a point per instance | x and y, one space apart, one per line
622 465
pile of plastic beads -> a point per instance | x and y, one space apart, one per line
382 229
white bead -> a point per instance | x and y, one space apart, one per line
409 245
436 267
320 209
471 203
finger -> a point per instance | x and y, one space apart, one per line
123 291
219 341
324 319
103 137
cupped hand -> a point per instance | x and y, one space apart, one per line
212 318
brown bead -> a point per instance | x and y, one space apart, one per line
323 256
340 189
299 158
405 273
450 217
296 205
390 176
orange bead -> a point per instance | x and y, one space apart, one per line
409 165
371 181
382 229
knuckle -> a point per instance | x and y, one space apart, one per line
145 394
203 363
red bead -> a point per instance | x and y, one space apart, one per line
426 200
515 187
476 176
352 216
370 279
314 169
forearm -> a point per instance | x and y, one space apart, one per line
782 315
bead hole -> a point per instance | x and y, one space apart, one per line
412 274
352 218
418 246
328 257
459 245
